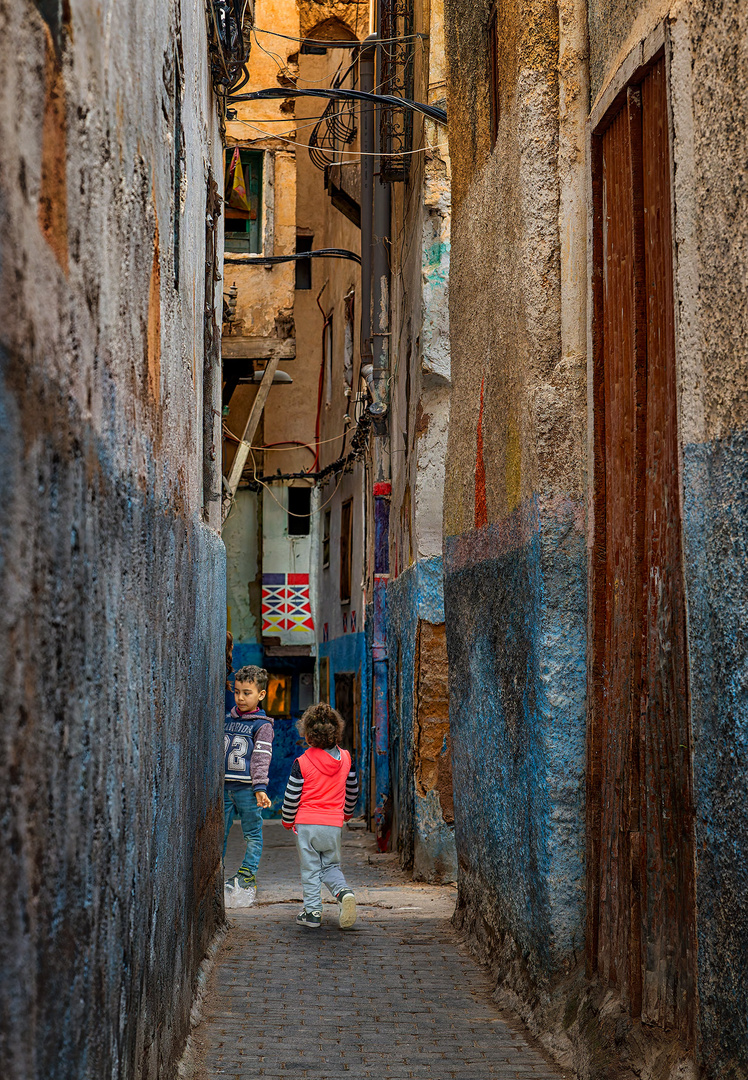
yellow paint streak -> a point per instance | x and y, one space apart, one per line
53 206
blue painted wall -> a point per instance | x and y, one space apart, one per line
715 518
112 616
516 608
424 839
348 653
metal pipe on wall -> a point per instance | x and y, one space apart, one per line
366 75
379 410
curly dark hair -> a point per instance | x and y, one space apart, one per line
321 726
252 673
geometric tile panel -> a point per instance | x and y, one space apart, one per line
285 604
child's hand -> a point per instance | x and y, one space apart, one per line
262 799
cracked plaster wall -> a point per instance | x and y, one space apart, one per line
419 399
514 544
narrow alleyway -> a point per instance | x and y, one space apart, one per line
396 997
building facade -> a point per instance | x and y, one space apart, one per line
594 473
419 393
295 542
111 563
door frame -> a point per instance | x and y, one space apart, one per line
671 42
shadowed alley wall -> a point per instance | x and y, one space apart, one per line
514 548
112 609
515 554
419 402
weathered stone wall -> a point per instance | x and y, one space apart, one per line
711 217
111 585
419 729
419 418
515 561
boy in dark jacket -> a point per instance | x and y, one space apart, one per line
321 794
248 748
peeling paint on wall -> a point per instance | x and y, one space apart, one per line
419 710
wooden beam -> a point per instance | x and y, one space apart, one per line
242 450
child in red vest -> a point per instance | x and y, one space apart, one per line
321 794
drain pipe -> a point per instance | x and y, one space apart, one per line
379 409
366 75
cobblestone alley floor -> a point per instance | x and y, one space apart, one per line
395 997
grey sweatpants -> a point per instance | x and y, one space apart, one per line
319 856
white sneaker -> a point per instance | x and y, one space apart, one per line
346 909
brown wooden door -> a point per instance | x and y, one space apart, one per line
640 828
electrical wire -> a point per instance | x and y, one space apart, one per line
273 94
313 120
283 69
284 444
298 256
350 153
313 513
341 44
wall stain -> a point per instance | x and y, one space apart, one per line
53 208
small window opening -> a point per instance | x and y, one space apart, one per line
326 540
304 266
346 550
299 508
243 201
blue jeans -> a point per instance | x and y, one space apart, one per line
240 802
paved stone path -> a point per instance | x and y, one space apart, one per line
396 997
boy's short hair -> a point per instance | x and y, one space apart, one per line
321 726
252 673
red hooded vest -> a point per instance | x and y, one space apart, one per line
323 794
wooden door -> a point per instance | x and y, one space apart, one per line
640 818
344 692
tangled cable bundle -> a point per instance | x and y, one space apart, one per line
229 23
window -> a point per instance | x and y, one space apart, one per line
493 72
344 694
326 540
304 266
324 679
278 696
243 201
346 550
299 508
306 690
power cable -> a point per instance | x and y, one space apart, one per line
350 153
326 253
273 94
342 44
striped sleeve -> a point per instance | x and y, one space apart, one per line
293 795
351 792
